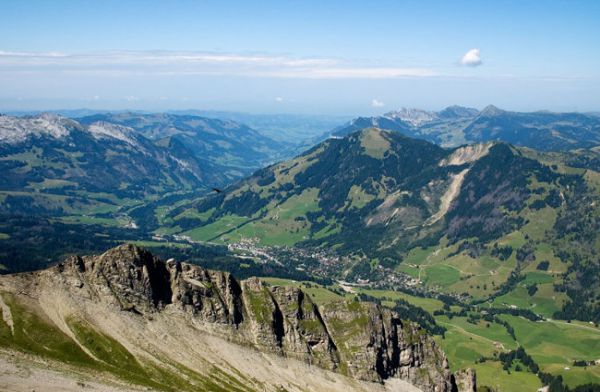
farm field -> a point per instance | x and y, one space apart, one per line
554 345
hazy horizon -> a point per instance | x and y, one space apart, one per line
338 58
216 112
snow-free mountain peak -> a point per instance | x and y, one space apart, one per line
412 116
17 129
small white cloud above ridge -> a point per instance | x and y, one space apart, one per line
472 58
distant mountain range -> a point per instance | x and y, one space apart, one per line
51 163
53 153
455 125
295 131
235 148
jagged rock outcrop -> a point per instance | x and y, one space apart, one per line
361 340
465 380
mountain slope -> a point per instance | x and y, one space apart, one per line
173 326
65 160
544 131
295 129
235 148
390 189
456 125
484 221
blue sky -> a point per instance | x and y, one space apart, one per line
299 56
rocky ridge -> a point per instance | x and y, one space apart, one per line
360 340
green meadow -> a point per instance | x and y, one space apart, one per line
554 345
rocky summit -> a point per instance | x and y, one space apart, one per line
139 321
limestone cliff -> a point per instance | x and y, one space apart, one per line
356 339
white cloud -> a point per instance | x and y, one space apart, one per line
472 58
171 63
279 99
377 103
155 58
31 54
357 73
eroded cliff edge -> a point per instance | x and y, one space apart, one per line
357 339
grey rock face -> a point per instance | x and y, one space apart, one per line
465 380
358 339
